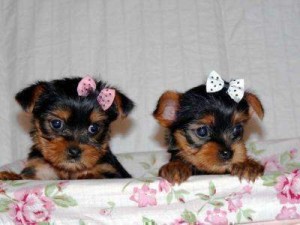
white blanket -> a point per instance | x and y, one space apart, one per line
146 47
149 200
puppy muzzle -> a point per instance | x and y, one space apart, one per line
74 152
226 154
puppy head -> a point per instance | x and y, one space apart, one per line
207 128
70 131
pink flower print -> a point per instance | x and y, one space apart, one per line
272 164
164 185
235 202
247 189
105 212
179 222
144 196
183 222
288 213
288 187
293 153
31 207
216 217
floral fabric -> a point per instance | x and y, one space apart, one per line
147 199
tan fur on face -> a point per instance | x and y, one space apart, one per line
207 158
240 117
63 114
55 151
95 172
240 152
97 117
207 120
183 144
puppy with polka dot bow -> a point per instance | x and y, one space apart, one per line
205 128
71 130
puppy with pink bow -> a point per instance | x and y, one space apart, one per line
71 120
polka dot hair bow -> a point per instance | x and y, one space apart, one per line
235 89
106 96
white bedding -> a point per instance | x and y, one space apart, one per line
148 200
145 47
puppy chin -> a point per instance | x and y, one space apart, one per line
72 165
218 168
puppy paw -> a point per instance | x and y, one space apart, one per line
249 170
5 175
175 172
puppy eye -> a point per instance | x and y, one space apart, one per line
93 128
56 124
237 131
202 131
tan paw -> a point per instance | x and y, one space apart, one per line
249 170
5 175
175 172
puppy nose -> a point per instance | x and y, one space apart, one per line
226 154
74 152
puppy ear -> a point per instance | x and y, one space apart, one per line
255 104
123 104
167 107
120 107
28 96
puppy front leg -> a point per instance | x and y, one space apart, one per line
38 169
8 175
249 170
175 172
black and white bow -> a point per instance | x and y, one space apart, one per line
235 89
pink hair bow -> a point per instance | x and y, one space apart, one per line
106 96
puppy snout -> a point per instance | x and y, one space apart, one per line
74 152
226 154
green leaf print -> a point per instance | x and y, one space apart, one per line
189 216
284 158
4 204
64 201
217 204
270 179
169 197
15 183
147 221
111 204
252 148
81 222
212 189
44 223
145 165
50 190
203 196
247 214
239 216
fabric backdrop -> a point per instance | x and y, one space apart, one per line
145 47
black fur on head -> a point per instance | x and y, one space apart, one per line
196 103
40 97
